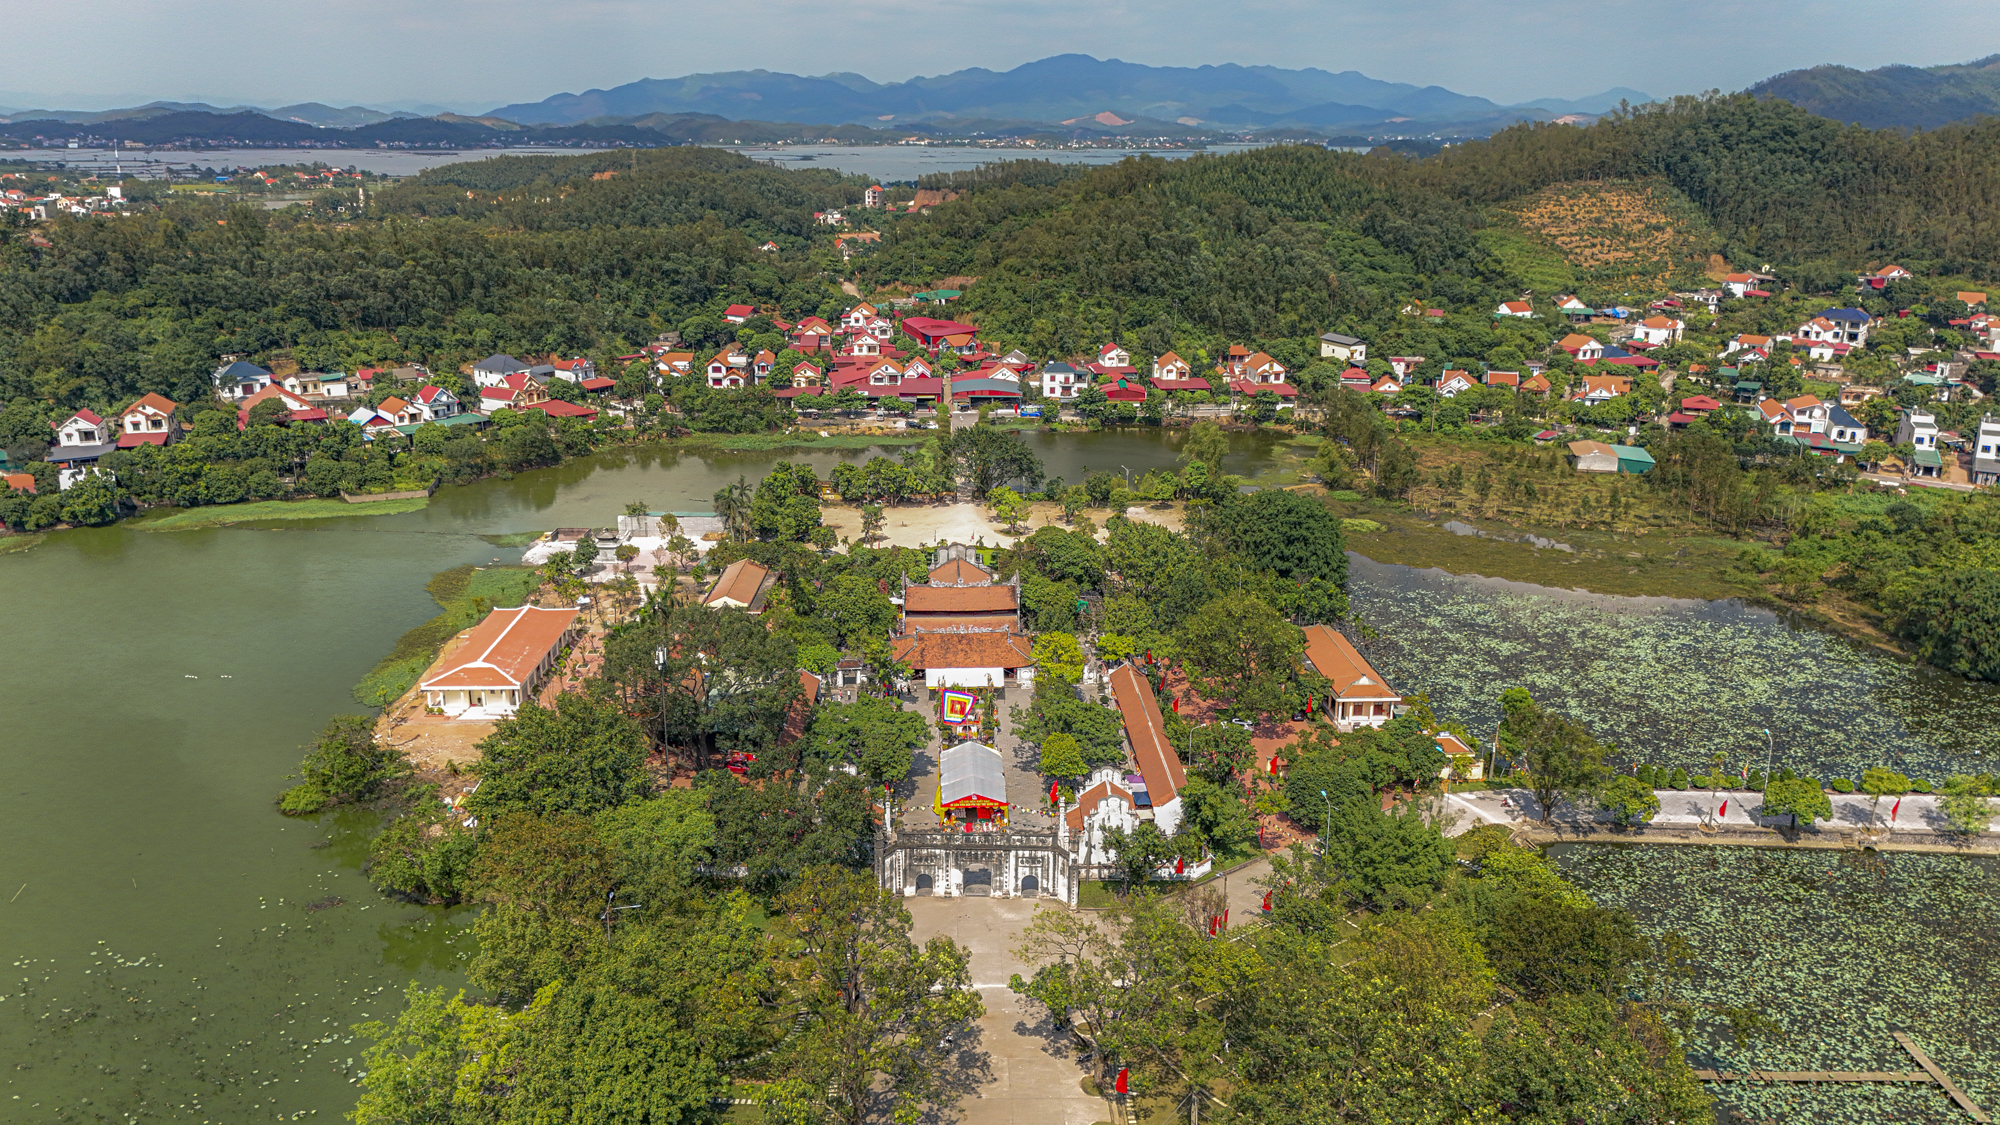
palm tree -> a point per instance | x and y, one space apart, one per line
732 503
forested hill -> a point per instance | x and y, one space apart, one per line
542 258
1284 242
1892 97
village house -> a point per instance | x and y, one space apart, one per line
1820 426
1575 310
807 374
149 421
1402 366
1508 379
1881 278
1358 695
500 662
302 409
1347 349
1060 380
856 319
1746 342
1593 389
81 439
400 411
1986 452
871 197
675 363
1171 367
1840 326
1514 309
1451 383
1658 330
239 380
1386 385
496 369
863 346
576 369
437 404
1598 457
1112 356
373 422
1536 384
1918 429
728 368
1586 349
1355 379
936 335
741 585
737 314
519 391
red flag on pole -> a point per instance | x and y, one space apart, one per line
1211 925
1052 792
1893 808
1180 865
1177 704
1149 656
1121 1079
1309 705
1725 810
1271 767
1225 917
1267 901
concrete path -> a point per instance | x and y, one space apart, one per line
1919 814
1013 1067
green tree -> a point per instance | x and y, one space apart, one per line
871 522
1239 652
442 1060
1556 756
878 1005
732 506
1796 797
1967 803
1206 444
1008 507
876 735
1058 655
1630 800
582 755
786 504
854 610
345 764
585 554
1216 815
1140 853
1879 782
1062 757
1585 1058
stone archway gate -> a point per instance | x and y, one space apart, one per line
1013 858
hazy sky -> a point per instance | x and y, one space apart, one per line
474 56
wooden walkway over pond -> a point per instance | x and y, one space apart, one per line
1931 1074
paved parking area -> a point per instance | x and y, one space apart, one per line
1014 1067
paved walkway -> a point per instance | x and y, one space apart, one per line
1014 1067
1919 814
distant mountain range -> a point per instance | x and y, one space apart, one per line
1892 97
1064 89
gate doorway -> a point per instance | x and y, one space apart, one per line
923 884
979 881
1030 886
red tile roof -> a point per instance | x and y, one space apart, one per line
1334 656
1157 761
961 599
963 650
503 650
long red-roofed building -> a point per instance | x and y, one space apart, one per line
499 662
1146 730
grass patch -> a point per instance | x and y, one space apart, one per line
512 538
222 515
9 544
1535 263
465 594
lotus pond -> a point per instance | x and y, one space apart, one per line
1672 681
1842 949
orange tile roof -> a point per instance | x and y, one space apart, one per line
157 402
961 599
1088 800
1332 655
738 585
962 623
503 650
963 650
1157 761
960 572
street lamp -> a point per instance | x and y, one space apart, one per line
1328 829
1767 760
609 913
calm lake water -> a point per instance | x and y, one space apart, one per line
157 915
884 162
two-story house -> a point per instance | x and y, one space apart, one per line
519 392
1986 452
1586 349
864 346
149 421
1060 380
1823 427
495 370
807 375
400 411
437 404
1172 368
81 439
238 380
1840 326
728 367
1111 355
1658 330
856 319
1347 349
1918 430
1453 383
